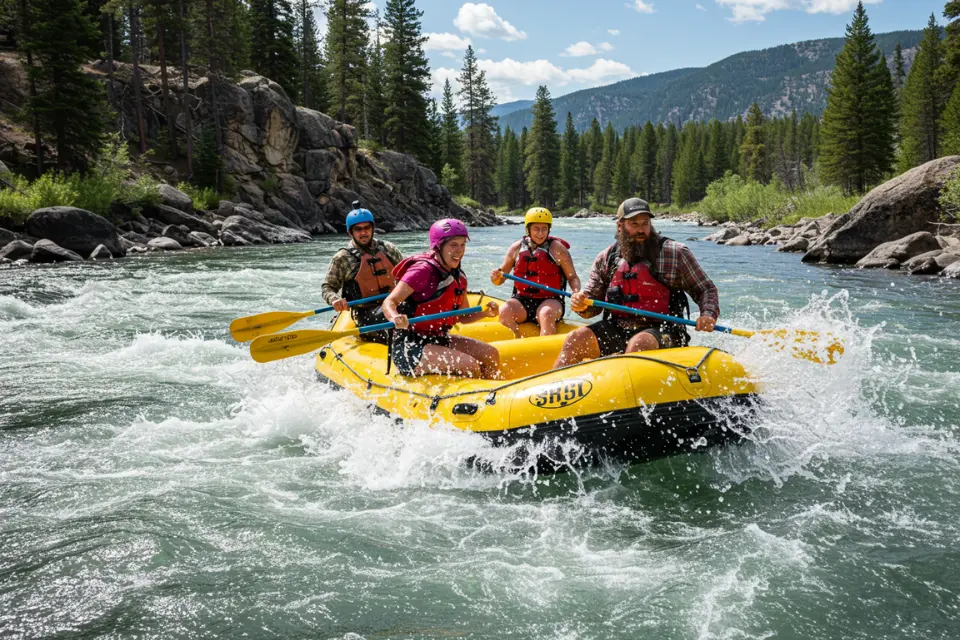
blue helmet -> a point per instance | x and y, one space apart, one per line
358 216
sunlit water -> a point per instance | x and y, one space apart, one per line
155 482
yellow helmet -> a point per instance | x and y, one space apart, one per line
538 214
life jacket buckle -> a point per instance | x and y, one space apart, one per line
629 275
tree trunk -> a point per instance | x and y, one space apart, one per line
164 87
138 103
211 78
37 137
184 104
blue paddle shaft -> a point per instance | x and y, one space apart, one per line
436 316
616 307
352 303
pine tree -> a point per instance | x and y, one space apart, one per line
951 46
311 70
603 173
374 88
524 198
476 103
272 51
451 138
716 154
434 146
899 74
859 124
665 160
161 21
542 162
924 99
221 34
345 52
569 158
689 179
753 149
66 103
646 165
407 76
583 181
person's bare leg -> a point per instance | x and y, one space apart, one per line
447 361
642 342
486 355
579 345
512 314
548 313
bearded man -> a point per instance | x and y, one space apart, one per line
645 271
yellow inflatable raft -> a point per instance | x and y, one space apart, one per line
633 407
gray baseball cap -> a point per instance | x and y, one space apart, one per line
633 206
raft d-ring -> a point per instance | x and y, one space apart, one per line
492 398
369 384
434 403
694 375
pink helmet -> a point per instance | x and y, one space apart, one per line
446 228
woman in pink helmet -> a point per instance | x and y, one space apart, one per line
433 282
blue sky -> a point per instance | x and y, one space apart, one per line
574 44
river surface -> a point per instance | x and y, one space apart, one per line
155 482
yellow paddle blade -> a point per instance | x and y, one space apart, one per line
278 346
805 345
248 328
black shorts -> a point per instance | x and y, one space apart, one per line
367 315
530 305
613 337
406 350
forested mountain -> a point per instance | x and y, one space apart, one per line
780 79
510 107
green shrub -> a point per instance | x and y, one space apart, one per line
204 198
140 193
271 184
54 190
369 145
15 204
466 201
950 198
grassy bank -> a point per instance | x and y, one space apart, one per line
734 199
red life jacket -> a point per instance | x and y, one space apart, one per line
535 263
634 286
374 275
450 295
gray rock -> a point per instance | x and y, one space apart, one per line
901 250
49 251
878 263
948 242
6 236
758 238
741 240
795 244
130 244
173 197
16 249
203 239
225 209
951 271
724 234
168 215
901 206
100 253
76 230
164 244
317 130
181 234
4 262
239 230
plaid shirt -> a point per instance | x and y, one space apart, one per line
676 267
344 265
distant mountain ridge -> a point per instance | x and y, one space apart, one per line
790 76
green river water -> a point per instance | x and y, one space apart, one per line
156 483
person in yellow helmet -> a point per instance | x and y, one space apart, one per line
544 259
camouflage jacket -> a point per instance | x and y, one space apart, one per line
344 265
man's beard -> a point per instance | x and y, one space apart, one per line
634 250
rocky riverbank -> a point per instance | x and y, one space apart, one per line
295 172
897 225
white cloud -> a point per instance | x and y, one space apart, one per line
605 46
481 50
641 7
482 20
445 42
613 32
756 10
578 49
700 7
511 79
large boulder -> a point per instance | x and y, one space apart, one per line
903 205
742 240
900 250
16 249
724 234
74 229
275 118
795 244
167 215
317 130
6 236
952 271
241 230
49 251
164 244
173 197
